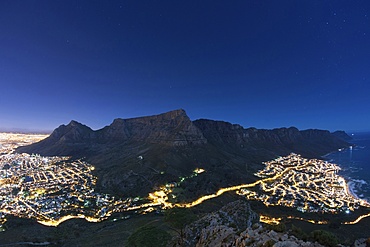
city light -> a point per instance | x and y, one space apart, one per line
52 190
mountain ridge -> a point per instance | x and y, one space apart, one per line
137 154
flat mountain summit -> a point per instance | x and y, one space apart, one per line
133 156
173 128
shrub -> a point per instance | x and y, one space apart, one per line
325 238
277 228
299 233
148 236
179 217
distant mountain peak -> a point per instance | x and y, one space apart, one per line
74 122
173 128
118 120
342 135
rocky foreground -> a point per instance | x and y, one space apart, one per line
236 224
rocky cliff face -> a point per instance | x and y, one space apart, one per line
65 140
172 128
171 145
235 224
220 227
312 142
260 236
176 129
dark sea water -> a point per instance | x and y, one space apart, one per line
355 164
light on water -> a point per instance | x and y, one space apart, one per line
355 164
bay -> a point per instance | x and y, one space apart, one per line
355 164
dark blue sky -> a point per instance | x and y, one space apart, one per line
258 63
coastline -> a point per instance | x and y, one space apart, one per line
349 183
353 185
350 188
339 150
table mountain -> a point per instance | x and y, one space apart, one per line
132 156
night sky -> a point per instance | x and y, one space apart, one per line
263 64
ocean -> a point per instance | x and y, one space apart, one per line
355 164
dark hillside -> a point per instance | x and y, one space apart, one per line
132 156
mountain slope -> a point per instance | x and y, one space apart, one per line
310 143
172 128
132 156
